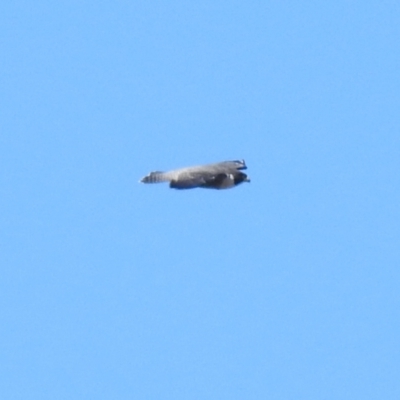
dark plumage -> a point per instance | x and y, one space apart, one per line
223 175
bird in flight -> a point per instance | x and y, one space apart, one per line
222 175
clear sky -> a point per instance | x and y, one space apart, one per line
284 288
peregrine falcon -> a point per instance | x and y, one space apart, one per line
222 175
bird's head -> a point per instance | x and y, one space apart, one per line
240 177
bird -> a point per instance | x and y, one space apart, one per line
222 175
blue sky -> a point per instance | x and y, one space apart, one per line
284 288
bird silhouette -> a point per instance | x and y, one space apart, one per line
222 175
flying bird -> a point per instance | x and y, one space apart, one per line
222 175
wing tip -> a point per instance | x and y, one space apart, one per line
242 164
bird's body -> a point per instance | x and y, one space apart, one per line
222 175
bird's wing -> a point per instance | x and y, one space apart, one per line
208 170
225 166
191 177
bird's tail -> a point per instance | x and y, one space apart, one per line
154 177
